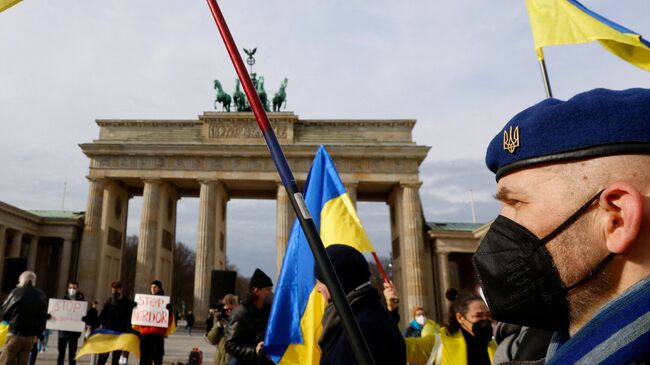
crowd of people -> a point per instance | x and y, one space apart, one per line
564 268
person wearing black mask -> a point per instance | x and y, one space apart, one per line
569 250
247 325
467 338
116 316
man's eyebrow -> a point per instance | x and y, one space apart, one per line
503 194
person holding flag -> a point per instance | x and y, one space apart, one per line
377 325
298 307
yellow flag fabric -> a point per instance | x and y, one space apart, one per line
555 22
103 341
4 329
6 4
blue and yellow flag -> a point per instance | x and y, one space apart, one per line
295 322
556 22
104 340
6 4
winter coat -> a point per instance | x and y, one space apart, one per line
245 330
25 309
116 314
217 337
378 327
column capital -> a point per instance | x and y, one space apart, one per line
152 181
95 179
410 184
208 181
351 183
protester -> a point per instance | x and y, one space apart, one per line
209 321
466 339
379 328
569 252
152 340
247 325
91 319
414 328
189 318
116 316
25 310
216 334
68 339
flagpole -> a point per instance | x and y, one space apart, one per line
547 84
355 336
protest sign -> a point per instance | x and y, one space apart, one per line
66 315
151 310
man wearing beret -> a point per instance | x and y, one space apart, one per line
570 250
247 325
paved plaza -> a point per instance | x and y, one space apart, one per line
177 348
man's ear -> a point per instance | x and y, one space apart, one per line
622 207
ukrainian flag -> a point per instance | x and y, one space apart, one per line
556 22
295 322
104 340
6 4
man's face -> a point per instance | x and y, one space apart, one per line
263 293
541 199
116 291
154 289
73 286
228 308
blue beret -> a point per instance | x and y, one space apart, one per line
595 123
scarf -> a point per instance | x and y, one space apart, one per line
331 320
619 333
415 325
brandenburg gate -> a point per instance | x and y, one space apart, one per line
221 156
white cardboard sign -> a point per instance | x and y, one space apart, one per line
151 311
66 315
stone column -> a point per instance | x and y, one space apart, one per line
147 244
351 187
89 249
33 249
284 217
205 246
3 247
16 241
414 268
64 266
443 274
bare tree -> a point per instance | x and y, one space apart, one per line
127 276
182 295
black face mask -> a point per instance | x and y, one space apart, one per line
482 330
520 282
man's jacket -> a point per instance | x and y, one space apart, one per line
245 330
25 309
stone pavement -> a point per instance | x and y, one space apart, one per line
177 348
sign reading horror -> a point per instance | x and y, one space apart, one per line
151 310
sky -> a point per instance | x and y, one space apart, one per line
460 68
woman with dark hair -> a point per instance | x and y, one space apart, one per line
467 339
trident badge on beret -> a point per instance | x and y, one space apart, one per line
511 139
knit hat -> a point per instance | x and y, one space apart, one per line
595 123
349 264
260 280
157 283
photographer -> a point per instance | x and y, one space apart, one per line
221 315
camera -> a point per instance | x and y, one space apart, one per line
220 313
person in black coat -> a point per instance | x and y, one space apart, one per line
116 316
68 339
247 325
377 324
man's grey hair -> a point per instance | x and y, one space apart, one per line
25 278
